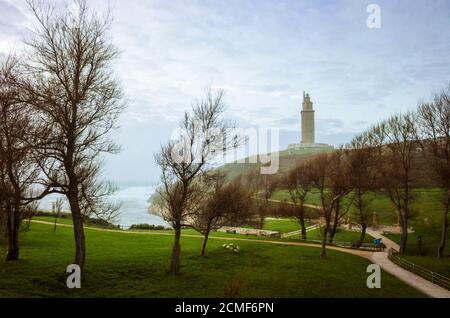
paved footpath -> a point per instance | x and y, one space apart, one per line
380 258
419 283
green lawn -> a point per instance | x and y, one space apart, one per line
426 206
429 247
134 265
282 225
426 223
341 235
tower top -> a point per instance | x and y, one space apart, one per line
307 104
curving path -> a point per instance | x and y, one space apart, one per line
380 258
419 283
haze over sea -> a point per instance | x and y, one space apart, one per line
134 204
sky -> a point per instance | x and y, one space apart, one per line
264 54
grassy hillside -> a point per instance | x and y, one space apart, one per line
135 265
423 174
288 158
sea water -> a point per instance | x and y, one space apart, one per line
133 200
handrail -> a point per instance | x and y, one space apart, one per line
427 274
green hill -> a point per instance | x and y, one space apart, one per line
423 176
288 159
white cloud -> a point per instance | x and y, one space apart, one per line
265 53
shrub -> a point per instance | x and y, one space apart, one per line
148 227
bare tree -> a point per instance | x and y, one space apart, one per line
57 208
263 186
338 189
222 204
203 135
362 176
328 176
396 146
298 183
19 168
78 100
434 137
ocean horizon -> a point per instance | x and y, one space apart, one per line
134 204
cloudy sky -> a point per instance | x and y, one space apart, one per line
264 54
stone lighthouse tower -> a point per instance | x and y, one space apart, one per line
308 129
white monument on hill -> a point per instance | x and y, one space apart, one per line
308 137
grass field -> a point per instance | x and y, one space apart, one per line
426 205
134 265
426 223
341 236
282 225
428 259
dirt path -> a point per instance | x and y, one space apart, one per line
380 258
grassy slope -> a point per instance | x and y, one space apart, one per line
425 205
429 247
290 225
133 265
426 223
287 159
282 225
341 236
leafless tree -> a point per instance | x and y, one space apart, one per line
339 188
19 168
434 137
263 186
223 203
298 183
396 146
77 99
203 135
362 177
329 178
56 209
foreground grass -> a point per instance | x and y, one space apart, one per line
134 265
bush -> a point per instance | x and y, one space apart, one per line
99 222
62 215
148 227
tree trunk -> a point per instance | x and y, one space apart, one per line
303 228
362 236
324 238
335 223
332 233
302 222
78 229
13 234
176 250
56 220
444 229
261 222
404 234
205 240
